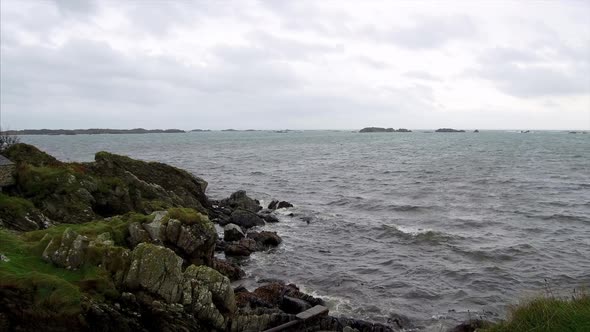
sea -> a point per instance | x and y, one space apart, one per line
423 228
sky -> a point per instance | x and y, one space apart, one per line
282 64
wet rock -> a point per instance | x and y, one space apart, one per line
469 326
244 247
284 205
246 219
273 205
266 238
268 217
293 305
232 232
228 269
157 270
240 200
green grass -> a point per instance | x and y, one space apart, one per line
52 288
548 314
187 216
14 207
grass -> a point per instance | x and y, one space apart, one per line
548 314
52 288
187 216
14 207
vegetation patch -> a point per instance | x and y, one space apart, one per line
548 314
14 207
188 216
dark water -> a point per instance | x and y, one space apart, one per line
433 227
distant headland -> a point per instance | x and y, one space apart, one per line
383 130
450 130
91 131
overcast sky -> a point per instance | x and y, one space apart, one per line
295 64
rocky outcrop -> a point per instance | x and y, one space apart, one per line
67 251
245 219
279 205
254 241
240 200
232 232
20 214
193 237
228 269
266 238
157 270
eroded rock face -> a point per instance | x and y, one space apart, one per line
157 270
194 240
67 251
209 295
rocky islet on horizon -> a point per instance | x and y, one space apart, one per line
124 245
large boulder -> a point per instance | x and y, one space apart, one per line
228 269
157 270
209 295
66 251
240 200
266 238
246 219
232 232
244 247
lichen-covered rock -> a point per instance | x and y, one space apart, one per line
232 232
209 295
246 219
157 270
67 251
240 200
193 237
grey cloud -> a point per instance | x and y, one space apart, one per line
528 74
421 75
426 32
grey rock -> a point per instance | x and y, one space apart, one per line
246 219
232 232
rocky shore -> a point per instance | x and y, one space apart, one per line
125 245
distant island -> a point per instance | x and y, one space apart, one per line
383 130
449 130
91 131
199 130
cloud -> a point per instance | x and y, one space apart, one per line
421 75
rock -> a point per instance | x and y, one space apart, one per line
284 205
273 205
209 295
20 214
267 217
239 200
25 153
383 130
469 326
244 247
246 219
232 232
193 238
228 269
293 305
157 270
266 238
66 251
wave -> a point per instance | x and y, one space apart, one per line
418 236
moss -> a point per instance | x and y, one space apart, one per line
188 216
548 315
24 153
52 288
117 227
14 207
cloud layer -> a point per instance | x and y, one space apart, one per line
300 65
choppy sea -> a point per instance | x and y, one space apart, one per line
427 228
